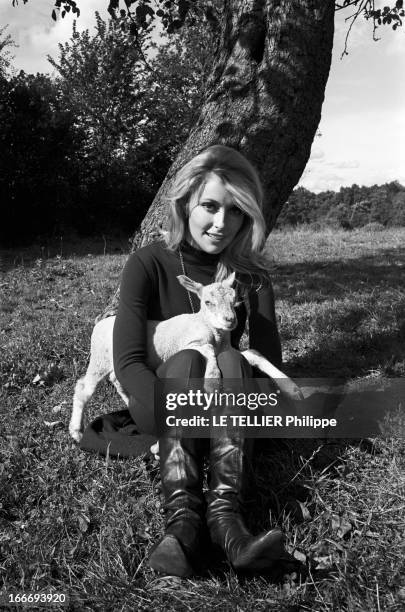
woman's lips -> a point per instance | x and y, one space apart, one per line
215 236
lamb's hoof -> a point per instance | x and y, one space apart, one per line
296 394
76 434
291 390
154 449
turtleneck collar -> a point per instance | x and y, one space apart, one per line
195 256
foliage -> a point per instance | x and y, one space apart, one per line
6 57
349 208
124 123
83 525
135 116
173 14
380 16
39 165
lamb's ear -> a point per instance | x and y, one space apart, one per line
190 285
230 280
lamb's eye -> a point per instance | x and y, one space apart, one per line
207 303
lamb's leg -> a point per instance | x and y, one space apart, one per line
286 384
212 372
84 389
119 388
99 367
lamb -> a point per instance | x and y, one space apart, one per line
207 331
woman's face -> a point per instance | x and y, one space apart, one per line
214 222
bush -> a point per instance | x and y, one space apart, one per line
39 168
374 226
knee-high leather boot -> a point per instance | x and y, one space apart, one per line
229 462
181 469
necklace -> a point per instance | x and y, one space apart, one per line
184 273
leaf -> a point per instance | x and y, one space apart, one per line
301 557
335 522
399 4
84 522
341 525
58 407
324 562
298 509
54 15
184 6
53 424
38 380
344 528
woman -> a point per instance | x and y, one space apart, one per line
215 227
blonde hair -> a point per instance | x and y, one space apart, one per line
244 254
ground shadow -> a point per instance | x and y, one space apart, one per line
367 285
51 248
321 281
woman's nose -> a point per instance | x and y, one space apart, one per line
219 218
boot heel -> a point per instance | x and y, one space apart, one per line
261 552
167 557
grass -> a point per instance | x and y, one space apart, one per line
81 525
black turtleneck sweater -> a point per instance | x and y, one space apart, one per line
150 291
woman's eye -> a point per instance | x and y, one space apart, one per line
209 207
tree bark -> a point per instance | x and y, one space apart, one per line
263 97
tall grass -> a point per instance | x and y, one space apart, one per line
82 525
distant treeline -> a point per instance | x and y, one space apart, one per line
350 207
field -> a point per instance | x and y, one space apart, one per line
82 525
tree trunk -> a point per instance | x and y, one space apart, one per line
264 97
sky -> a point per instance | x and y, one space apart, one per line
361 136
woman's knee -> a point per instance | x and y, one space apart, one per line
233 364
188 363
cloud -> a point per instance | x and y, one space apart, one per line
344 164
321 182
396 44
316 154
33 29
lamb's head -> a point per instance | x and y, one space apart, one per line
217 301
